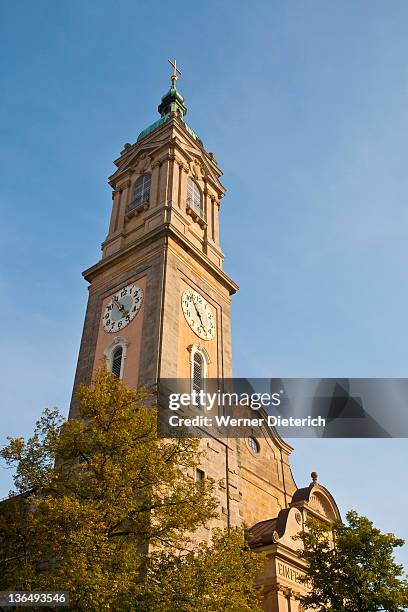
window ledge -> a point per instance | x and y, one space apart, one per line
136 210
196 217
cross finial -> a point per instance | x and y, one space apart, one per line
174 76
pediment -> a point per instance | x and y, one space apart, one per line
317 500
200 168
139 160
139 156
322 505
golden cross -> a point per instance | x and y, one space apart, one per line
174 76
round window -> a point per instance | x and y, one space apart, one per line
253 444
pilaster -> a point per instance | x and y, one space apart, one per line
154 184
182 199
124 201
164 180
216 210
174 175
116 196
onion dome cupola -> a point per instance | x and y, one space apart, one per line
171 105
173 101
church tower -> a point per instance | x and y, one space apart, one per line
159 308
159 301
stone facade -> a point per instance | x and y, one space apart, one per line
275 537
165 246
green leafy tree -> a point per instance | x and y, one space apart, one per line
351 567
95 495
212 578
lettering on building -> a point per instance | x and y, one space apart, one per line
289 573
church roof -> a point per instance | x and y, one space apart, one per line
272 530
266 532
302 494
261 533
154 126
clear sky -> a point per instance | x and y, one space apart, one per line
305 105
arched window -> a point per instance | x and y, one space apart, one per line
194 198
115 355
198 372
141 191
199 360
117 358
253 444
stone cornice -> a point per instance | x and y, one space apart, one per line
165 230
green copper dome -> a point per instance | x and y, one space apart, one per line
171 102
153 127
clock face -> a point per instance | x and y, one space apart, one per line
122 308
198 314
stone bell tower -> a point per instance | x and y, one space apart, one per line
159 301
159 308
163 243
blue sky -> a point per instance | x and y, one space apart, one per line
305 106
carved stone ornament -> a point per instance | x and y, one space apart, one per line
275 536
192 348
118 340
126 147
197 169
143 163
121 340
298 518
124 185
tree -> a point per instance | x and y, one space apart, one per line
102 502
212 578
351 567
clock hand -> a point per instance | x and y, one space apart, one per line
199 316
121 308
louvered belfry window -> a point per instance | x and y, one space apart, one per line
117 357
141 191
198 372
194 199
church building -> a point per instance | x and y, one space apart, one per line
159 308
